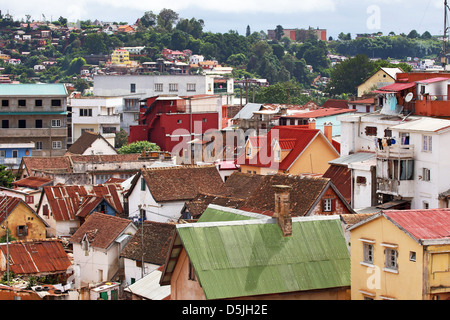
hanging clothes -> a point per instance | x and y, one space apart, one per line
380 144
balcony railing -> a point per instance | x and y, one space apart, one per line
403 188
396 151
33 132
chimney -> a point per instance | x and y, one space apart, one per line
282 209
328 131
311 123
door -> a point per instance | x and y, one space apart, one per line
104 295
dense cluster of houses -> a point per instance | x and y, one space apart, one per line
348 200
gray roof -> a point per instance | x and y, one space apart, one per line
247 111
351 158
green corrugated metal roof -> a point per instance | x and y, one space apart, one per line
247 258
44 89
216 213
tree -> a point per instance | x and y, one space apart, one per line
149 19
413 34
248 32
6 177
279 32
75 66
166 19
426 35
94 43
138 147
349 74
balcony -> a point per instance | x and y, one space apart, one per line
33 132
403 188
396 152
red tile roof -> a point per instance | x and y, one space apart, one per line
335 103
101 229
431 224
37 256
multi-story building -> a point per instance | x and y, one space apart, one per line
120 56
34 113
96 114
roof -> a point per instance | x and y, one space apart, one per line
424 124
352 158
215 213
66 202
265 157
433 80
335 103
392 72
7 205
156 236
85 141
37 256
33 182
54 89
251 257
427 227
247 111
319 113
395 87
182 182
149 287
341 178
101 230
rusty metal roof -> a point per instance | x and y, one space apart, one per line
37 256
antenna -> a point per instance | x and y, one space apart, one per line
444 45
409 97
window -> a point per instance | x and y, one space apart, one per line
109 129
2 153
56 103
426 205
22 103
38 103
5 124
5 103
85 112
328 205
45 210
159 87
426 176
412 256
204 120
15 153
191 87
56 145
249 152
56 123
38 123
22 124
192 275
133 87
173 87
427 144
368 253
391 258
371 131
142 184
29 199
361 180
22 231
179 121
404 138
83 130
38 145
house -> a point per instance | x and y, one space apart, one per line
322 117
146 252
65 208
120 57
11 153
161 65
44 257
382 77
309 196
35 113
159 194
97 245
363 105
95 114
21 220
90 143
335 103
172 121
276 258
289 149
89 169
401 255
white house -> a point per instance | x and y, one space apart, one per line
159 194
96 114
411 154
90 143
97 245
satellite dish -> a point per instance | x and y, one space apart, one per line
409 97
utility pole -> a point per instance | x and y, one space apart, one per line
7 252
142 240
445 39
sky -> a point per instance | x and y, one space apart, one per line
348 16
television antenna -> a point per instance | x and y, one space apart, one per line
409 97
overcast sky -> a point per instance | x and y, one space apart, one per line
336 16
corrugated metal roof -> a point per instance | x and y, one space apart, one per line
395 87
215 213
248 258
351 158
149 287
247 111
424 124
53 89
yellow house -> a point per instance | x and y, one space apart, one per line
22 220
381 78
120 56
401 255
289 149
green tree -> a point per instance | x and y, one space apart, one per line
248 32
138 147
149 19
166 19
6 177
94 43
279 32
75 66
413 34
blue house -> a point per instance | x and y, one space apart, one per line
11 153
